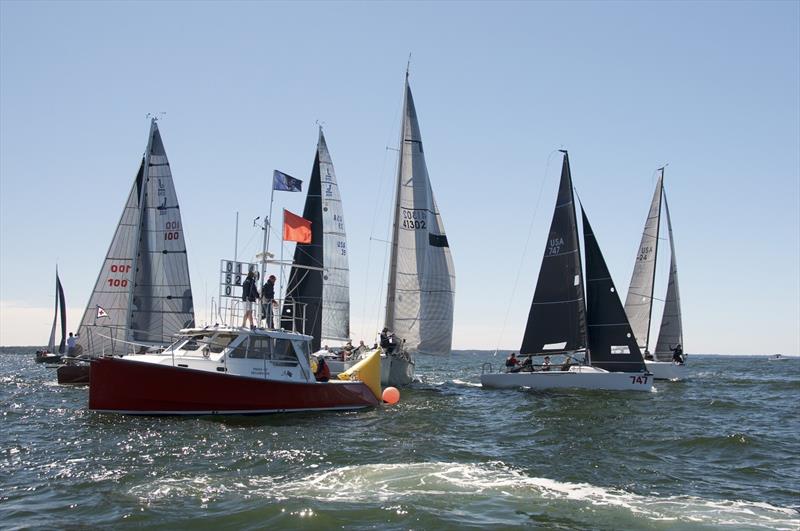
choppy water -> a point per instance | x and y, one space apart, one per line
719 451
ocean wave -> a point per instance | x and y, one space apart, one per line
417 484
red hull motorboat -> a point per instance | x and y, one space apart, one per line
139 387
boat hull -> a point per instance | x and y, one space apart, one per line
396 371
74 374
142 388
667 370
47 357
575 378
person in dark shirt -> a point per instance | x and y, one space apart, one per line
249 296
267 299
677 354
511 362
323 373
387 341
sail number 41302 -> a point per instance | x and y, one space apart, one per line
639 379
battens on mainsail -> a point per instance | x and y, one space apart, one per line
421 289
557 318
143 285
639 301
612 345
60 309
671 331
326 294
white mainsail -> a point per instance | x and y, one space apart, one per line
639 301
145 262
421 290
336 273
671 331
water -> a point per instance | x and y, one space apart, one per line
719 451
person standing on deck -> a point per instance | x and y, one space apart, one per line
267 298
71 345
677 354
249 296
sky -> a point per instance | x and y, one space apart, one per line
711 88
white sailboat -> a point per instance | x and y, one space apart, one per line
639 301
420 296
142 296
560 324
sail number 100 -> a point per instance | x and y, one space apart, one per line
119 282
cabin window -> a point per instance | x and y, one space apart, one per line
240 351
284 351
220 342
260 348
194 343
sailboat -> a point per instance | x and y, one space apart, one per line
562 322
49 355
421 292
326 293
639 301
142 295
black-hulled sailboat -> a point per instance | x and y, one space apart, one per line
49 354
564 323
142 296
639 301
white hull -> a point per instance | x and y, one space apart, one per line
577 377
667 370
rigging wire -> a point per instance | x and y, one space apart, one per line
524 250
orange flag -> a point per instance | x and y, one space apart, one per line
295 228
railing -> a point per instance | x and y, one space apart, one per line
287 314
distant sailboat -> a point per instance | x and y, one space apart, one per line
562 322
639 301
421 290
143 295
49 355
326 295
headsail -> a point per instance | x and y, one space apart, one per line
60 309
143 286
326 295
639 301
557 318
671 332
161 300
612 345
421 291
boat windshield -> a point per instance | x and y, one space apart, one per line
194 342
220 342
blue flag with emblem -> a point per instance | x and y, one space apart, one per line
286 183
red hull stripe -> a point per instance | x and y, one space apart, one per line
123 386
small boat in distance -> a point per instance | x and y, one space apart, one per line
639 301
49 355
563 323
142 295
777 357
420 296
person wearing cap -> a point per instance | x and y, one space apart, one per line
267 299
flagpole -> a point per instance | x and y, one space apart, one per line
265 245
280 288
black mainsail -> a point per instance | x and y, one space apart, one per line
612 345
557 318
60 308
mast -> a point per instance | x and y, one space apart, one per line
580 260
138 232
391 288
655 260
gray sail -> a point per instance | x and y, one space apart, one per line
161 298
421 290
146 263
639 301
60 309
336 274
671 332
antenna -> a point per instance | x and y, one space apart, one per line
156 116
319 124
408 64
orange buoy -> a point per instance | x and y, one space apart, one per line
391 395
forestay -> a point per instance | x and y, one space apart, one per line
421 289
639 301
671 331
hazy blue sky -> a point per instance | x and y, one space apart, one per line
712 88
